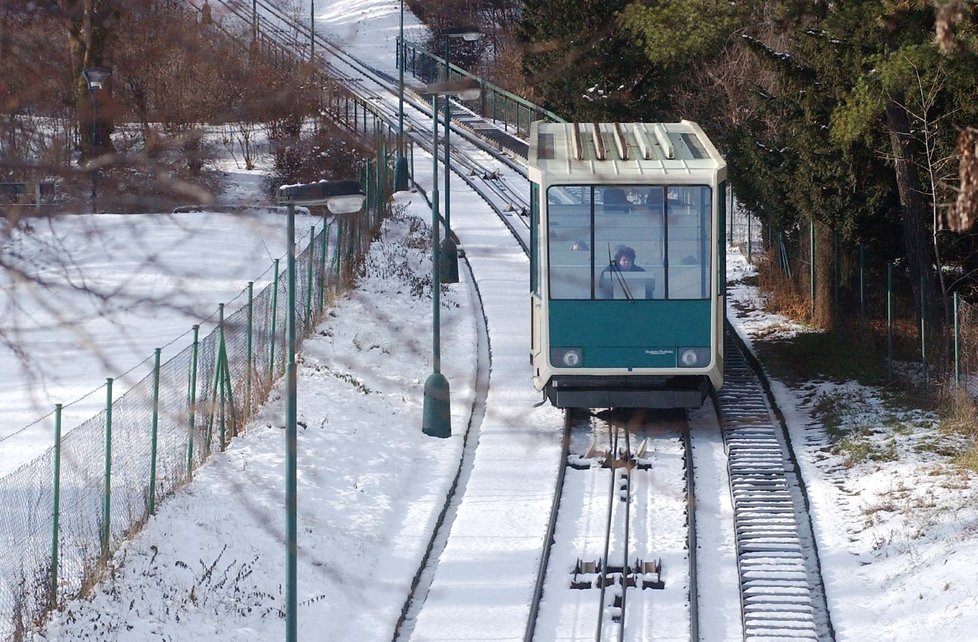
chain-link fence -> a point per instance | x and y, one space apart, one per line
965 346
919 335
64 513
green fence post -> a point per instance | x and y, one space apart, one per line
730 210
271 344
352 245
923 331
836 286
750 246
312 252
107 487
322 266
811 263
226 369
248 347
363 177
862 286
192 404
220 382
338 252
957 339
56 515
889 320
154 432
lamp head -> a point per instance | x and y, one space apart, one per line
465 89
339 197
96 76
467 33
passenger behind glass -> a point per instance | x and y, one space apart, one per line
623 261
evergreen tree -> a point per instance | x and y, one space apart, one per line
584 65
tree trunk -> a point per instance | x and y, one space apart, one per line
915 212
89 26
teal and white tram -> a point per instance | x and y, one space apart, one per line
627 264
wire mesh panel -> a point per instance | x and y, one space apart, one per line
968 346
25 542
201 403
82 502
171 451
132 416
262 340
236 336
206 406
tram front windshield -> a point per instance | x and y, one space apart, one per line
629 241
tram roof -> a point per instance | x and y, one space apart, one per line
586 151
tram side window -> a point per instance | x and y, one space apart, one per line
569 241
628 242
689 241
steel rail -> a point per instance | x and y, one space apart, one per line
613 454
551 528
505 203
629 466
694 616
781 586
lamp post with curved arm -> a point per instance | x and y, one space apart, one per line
95 77
342 197
436 419
449 250
400 164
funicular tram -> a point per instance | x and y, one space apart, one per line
627 264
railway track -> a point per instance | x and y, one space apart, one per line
620 519
621 560
782 594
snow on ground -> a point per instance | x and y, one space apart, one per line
211 563
896 522
101 292
896 530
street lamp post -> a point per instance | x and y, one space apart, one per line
449 250
436 417
339 197
95 77
400 165
312 30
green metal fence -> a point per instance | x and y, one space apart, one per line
841 285
64 513
501 106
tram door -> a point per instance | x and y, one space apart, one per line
536 320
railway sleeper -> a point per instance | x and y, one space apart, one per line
641 573
767 563
775 626
756 455
798 601
595 458
782 609
772 518
766 504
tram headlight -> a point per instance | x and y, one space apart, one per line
567 357
693 357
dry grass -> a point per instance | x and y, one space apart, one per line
959 414
782 294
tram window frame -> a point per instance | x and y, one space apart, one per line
535 275
654 253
